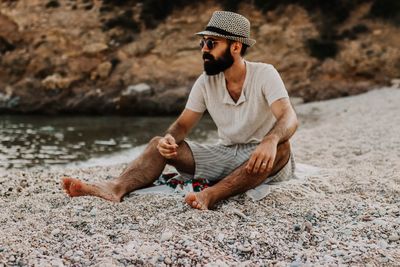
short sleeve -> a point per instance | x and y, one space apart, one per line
273 87
196 101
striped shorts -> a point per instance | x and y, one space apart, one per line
215 162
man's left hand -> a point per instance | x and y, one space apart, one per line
263 158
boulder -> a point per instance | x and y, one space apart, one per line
172 101
102 71
95 48
55 81
8 28
141 47
141 89
267 30
395 83
8 34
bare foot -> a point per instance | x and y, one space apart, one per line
76 188
198 200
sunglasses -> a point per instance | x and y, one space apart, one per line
210 43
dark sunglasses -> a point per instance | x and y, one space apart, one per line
210 43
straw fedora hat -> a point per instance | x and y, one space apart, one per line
229 25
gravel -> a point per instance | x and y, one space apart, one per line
348 215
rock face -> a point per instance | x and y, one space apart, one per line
84 57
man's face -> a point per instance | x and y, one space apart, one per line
216 55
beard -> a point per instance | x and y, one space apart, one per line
215 66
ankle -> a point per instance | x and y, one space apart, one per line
210 195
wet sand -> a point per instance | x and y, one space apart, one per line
347 215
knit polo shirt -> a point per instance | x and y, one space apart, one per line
250 118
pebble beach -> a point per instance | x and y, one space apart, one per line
347 214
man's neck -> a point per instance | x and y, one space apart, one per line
236 73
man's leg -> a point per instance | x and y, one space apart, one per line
239 181
142 172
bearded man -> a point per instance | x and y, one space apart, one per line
251 109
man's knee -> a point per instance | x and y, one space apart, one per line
283 153
284 147
155 140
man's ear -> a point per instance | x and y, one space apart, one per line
236 47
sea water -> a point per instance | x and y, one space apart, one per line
46 141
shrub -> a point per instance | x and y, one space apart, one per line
387 10
322 49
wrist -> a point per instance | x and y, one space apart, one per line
271 138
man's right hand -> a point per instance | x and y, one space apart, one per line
168 147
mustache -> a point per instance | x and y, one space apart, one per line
208 56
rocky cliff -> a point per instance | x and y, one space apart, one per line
104 57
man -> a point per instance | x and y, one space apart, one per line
250 106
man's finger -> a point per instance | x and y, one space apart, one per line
164 143
270 164
166 150
168 154
257 166
171 140
250 164
169 147
264 165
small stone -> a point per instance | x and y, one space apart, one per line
328 258
68 254
382 244
220 237
296 227
379 222
79 253
253 235
168 261
134 226
366 218
166 235
347 258
93 212
239 213
339 253
244 248
308 226
394 238
55 232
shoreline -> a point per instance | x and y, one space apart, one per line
347 216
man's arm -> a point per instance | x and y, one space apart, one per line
177 132
286 122
285 126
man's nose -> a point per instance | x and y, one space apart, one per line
205 48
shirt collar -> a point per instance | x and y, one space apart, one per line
227 97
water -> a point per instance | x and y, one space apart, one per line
41 141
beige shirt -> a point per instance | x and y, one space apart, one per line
250 118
